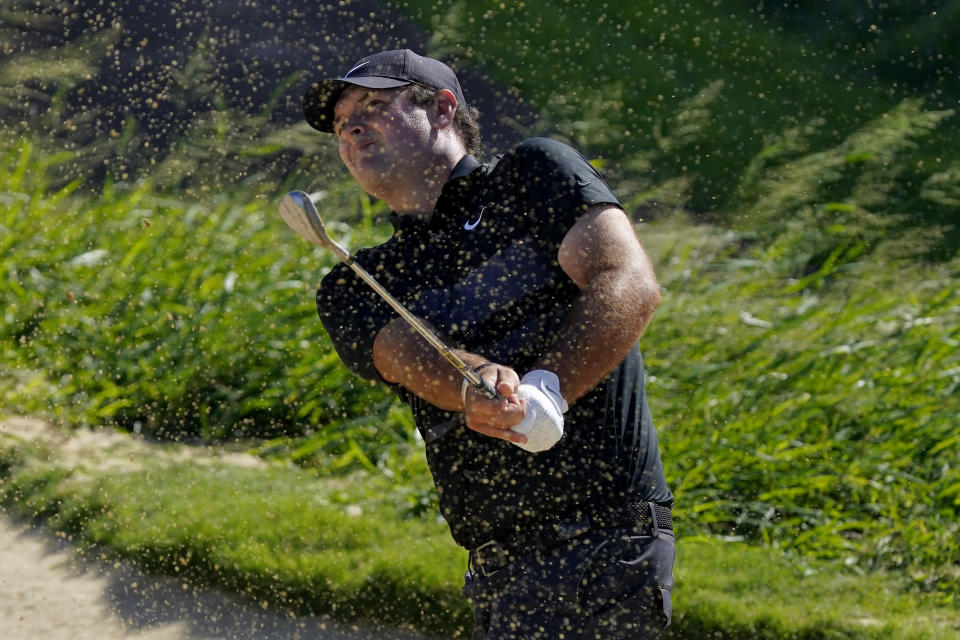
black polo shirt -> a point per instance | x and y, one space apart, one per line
484 271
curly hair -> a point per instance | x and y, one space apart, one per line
466 119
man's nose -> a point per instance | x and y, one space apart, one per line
355 125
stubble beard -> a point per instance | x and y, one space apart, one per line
396 179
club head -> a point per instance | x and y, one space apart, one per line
300 214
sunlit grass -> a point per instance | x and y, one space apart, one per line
188 317
805 366
732 590
349 545
821 421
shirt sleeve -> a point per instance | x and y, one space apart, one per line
557 185
352 315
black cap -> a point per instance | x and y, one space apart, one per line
383 70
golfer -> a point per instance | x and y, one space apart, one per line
533 272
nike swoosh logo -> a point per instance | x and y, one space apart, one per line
362 64
470 226
582 183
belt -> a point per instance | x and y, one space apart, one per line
643 517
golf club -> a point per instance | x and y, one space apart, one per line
300 214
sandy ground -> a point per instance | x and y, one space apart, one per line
48 590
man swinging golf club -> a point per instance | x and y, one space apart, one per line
532 272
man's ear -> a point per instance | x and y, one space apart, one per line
445 108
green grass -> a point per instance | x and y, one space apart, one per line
806 367
733 590
181 316
820 420
349 546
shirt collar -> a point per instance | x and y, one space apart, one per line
467 164
403 223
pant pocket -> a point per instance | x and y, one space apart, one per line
665 594
626 585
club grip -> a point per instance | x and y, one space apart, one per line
488 391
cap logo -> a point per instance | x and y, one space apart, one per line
362 64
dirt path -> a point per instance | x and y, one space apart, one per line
48 590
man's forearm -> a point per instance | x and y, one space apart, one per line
606 321
403 356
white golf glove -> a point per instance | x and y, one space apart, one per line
543 421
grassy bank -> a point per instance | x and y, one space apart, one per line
348 546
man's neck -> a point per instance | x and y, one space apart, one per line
420 201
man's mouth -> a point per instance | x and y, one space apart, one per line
366 144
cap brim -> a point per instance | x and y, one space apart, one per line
321 97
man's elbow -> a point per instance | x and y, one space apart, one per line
653 295
384 357
648 298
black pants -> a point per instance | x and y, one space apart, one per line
604 585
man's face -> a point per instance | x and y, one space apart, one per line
384 138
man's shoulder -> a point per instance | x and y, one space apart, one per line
539 146
545 172
538 154
542 144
